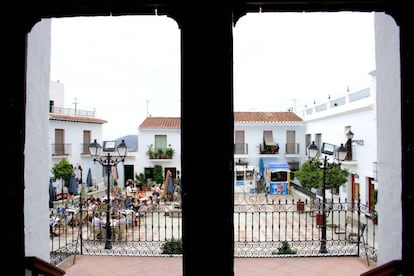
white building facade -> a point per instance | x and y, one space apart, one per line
38 141
330 121
158 138
70 133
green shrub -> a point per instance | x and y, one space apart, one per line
172 246
284 249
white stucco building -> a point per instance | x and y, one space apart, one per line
386 117
330 121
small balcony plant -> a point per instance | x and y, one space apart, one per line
160 153
150 152
169 151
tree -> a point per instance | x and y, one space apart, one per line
310 175
158 175
141 179
63 170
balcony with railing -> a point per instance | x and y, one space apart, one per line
61 149
241 148
269 149
292 148
160 153
72 111
85 149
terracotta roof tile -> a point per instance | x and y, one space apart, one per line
161 122
268 117
259 117
71 118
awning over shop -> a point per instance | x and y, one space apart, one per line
268 138
273 165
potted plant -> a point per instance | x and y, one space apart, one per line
284 249
150 152
172 246
159 153
169 152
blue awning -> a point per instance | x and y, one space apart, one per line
273 165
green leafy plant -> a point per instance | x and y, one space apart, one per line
158 174
284 249
310 175
63 170
172 246
169 152
140 178
150 152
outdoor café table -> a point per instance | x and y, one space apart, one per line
73 212
126 211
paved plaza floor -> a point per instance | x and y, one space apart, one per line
172 266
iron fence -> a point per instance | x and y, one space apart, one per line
263 226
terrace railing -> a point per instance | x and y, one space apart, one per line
263 224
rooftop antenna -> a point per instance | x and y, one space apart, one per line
147 108
76 105
294 100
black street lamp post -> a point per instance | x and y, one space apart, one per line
107 162
340 153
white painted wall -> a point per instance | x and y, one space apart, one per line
57 93
332 124
146 138
388 128
253 135
387 45
37 155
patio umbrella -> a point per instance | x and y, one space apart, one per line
52 193
89 178
170 185
73 187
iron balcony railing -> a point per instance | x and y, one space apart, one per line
262 223
61 149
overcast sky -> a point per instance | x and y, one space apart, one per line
129 67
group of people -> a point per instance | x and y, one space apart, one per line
133 197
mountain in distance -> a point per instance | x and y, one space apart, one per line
130 140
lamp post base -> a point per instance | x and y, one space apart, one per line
108 240
323 249
108 244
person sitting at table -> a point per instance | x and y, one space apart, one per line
128 188
91 209
135 204
97 224
118 225
145 204
128 202
71 199
142 196
53 223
